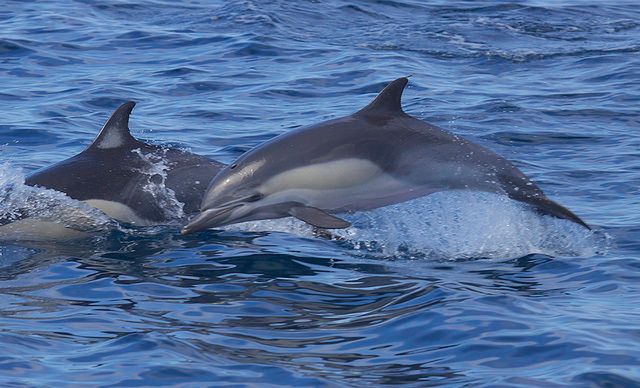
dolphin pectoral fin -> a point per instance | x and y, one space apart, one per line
318 218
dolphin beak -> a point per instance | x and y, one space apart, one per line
208 219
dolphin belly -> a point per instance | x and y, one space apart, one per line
34 229
118 211
343 188
30 229
341 173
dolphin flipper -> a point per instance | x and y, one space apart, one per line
318 218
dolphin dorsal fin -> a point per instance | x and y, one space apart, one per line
115 132
389 99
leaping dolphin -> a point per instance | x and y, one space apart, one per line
375 157
130 180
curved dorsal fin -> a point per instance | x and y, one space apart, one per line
115 132
388 101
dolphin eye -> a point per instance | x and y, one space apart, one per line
255 197
233 166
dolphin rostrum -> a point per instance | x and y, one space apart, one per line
375 157
129 180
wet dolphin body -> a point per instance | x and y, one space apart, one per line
375 157
117 174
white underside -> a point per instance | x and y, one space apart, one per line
37 230
334 185
343 173
32 229
371 194
342 185
118 211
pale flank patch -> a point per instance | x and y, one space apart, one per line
338 174
111 139
31 229
118 211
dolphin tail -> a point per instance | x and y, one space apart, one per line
546 206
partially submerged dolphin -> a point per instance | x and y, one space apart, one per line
375 157
129 180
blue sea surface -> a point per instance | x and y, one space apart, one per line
455 289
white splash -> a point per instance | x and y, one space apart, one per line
454 225
156 169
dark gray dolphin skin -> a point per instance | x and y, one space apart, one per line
117 174
375 157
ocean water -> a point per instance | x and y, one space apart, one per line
456 289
